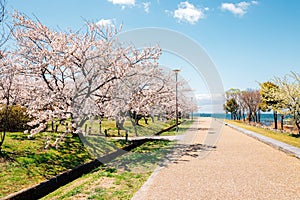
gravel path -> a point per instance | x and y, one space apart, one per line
240 167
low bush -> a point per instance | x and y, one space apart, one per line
17 118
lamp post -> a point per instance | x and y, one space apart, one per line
176 94
192 110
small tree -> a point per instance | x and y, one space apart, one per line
270 100
232 107
251 99
236 94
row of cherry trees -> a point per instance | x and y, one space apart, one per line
60 75
282 96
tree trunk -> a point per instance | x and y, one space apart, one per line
249 114
282 122
100 124
52 126
255 117
134 125
152 118
275 119
146 120
3 134
298 126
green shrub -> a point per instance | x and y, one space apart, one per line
17 118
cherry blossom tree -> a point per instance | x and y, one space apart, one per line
148 91
3 31
72 69
134 96
289 96
10 87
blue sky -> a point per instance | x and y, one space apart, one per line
248 41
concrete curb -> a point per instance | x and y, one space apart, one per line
288 149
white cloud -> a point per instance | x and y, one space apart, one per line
203 96
147 6
187 12
123 2
104 22
238 9
132 4
210 103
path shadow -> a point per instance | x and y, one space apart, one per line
190 150
199 129
142 158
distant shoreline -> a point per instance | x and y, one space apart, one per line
265 118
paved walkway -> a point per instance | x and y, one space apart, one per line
240 167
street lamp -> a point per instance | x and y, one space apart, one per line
192 108
176 99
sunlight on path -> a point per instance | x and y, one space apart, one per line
240 167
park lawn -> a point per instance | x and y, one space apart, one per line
143 129
119 179
182 128
25 162
283 137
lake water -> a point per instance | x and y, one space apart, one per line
265 118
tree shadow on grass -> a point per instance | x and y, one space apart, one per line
295 135
6 156
18 136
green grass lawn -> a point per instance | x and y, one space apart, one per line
119 179
283 137
181 129
25 162
143 129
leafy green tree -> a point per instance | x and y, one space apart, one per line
232 107
270 100
236 95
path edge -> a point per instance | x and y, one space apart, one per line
284 147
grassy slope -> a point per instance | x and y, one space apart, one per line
110 183
181 129
24 162
283 137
